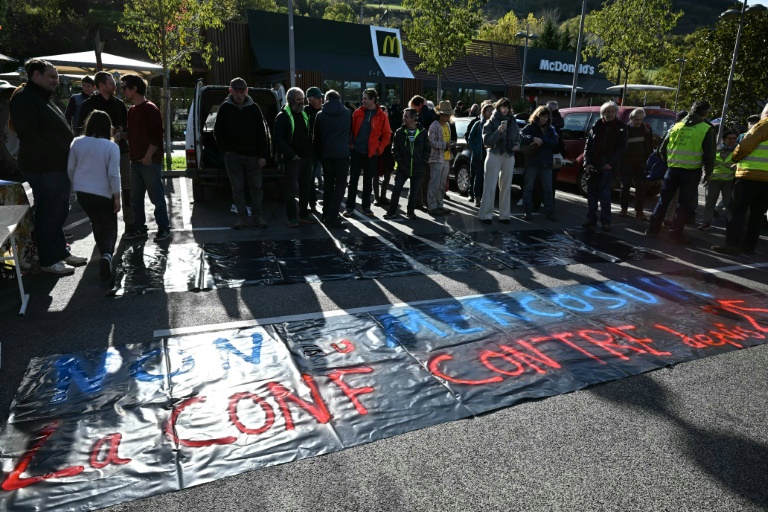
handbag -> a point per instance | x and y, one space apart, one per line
529 150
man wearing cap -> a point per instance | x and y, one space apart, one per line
750 191
314 104
241 134
688 148
441 143
370 135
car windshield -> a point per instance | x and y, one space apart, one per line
659 123
461 126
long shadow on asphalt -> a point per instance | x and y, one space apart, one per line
739 463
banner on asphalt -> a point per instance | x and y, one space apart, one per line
110 425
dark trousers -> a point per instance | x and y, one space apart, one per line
51 194
148 178
542 175
400 178
335 172
749 196
476 176
633 172
599 191
101 212
298 177
368 167
687 182
244 170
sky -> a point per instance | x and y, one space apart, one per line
753 2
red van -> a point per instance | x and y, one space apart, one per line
579 120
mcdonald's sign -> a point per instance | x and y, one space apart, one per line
388 43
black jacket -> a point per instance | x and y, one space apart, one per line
331 134
606 145
115 108
44 133
242 130
414 162
284 133
550 146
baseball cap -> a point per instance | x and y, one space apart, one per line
314 92
238 83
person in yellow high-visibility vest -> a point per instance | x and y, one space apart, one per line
721 180
688 149
750 191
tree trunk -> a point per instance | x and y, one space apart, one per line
439 91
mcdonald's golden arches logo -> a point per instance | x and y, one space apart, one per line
389 44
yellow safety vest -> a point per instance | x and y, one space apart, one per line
684 146
757 160
722 170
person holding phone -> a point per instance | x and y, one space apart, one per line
502 138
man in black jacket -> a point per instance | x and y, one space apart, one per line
411 150
294 146
331 142
241 134
104 99
44 140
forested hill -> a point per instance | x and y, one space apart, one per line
697 12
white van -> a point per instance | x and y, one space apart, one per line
205 163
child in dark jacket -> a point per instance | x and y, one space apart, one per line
411 150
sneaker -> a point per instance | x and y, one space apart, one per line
369 213
435 213
307 219
75 261
240 224
445 211
134 234
259 222
471 199
390 216
348 213
60 268
705 226
552 217
725 249
105 266
293 223
623 212
589 224
163 234
478 201
528 217
411 215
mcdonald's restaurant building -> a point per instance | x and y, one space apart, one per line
350 57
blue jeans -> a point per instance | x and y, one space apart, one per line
51 194
544 174
369 168
687 182
146 178
244 170
600 191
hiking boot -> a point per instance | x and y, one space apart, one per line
134 234
59 268
75 261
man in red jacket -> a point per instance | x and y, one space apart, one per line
370 135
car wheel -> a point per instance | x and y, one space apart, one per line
462 178
581 183
9 144
652 188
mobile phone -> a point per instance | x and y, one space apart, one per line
504 123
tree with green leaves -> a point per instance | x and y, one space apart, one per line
171 31
549 38
340 11
629 34
708 60
504 30
440 31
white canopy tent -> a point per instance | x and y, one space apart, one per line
642 87
78 63
5 58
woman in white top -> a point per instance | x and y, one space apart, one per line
94 170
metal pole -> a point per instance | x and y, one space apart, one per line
525 63
730 75
578 53
291 47
679 81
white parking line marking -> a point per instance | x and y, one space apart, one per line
186 212
731 268
76 223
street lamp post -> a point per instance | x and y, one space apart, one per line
680 61
525 35
731 14
578 53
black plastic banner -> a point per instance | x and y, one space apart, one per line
107 426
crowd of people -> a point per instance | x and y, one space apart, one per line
111 156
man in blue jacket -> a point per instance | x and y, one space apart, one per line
331 143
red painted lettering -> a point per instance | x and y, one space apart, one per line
487 355
269 414
15 481
733 306
337 375
170 428
725 335
113 440
643 342
563 336
691 342
531 360
608 343
433 368
343 346
282 394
